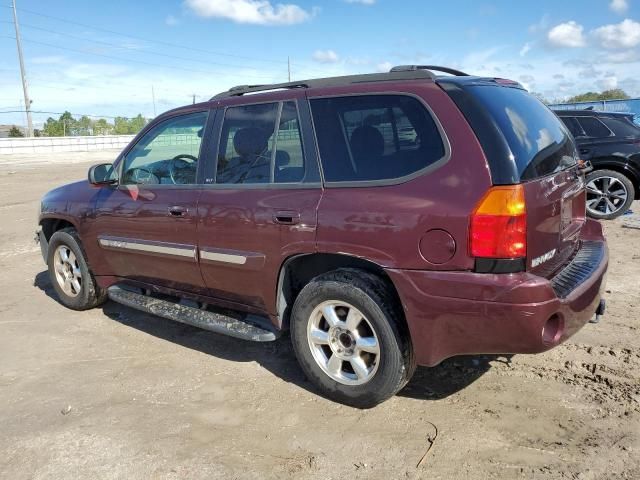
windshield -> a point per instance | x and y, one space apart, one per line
539 142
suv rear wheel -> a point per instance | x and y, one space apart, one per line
348 338
609 194
69 272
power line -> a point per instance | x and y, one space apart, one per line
122 59
159 42
124 47
168 44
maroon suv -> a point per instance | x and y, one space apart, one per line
388 220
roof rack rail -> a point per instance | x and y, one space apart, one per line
413 68
415 74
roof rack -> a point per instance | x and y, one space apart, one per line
414 74
414 68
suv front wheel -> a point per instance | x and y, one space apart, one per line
69 272
609 194
348 337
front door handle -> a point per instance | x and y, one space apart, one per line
178 211
287 217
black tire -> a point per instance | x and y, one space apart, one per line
90 294
371 295
600 210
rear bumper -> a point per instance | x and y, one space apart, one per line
459 313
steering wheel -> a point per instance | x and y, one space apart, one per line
181 169
141 176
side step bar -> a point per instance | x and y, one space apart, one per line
207 320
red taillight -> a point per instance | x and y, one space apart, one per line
499 224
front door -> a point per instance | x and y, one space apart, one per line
144 229
260 207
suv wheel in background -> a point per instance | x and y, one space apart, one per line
609 194
348 337
70 274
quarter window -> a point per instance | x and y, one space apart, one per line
261 144
593 127
375 137
167 154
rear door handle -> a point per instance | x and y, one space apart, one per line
287 217
178 211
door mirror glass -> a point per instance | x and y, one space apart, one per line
102 174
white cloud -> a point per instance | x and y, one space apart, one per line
384 66
362 2
525 49
619 6
171 20
326 56
257 12
625 34
608 83
569 34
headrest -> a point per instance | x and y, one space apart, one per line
250 141
367 141
282 158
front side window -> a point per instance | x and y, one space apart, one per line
375 137
593 127
261 144
167 154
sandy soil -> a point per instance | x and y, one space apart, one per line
112 393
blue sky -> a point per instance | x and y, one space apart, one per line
103 58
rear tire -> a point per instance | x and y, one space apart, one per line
69 272
349 338
609 194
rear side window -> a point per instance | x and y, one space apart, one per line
622 127
539 142
261 144
593 127
572 124
374 137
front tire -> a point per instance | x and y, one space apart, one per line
609 194
69 272
349 338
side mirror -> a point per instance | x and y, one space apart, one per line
102 174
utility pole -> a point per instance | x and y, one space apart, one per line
289 67
27 102
153 97
194 98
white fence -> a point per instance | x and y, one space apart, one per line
10 146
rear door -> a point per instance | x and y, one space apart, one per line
260 204
544 157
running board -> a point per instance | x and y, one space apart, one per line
245 329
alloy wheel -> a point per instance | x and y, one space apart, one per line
68 273
606 195
343 342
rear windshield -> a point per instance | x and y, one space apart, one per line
538 140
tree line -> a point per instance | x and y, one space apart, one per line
68 125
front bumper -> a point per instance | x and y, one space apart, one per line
461 313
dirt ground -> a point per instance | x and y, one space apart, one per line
112 393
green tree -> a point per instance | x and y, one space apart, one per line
15 132
102 127
52 128
613 94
